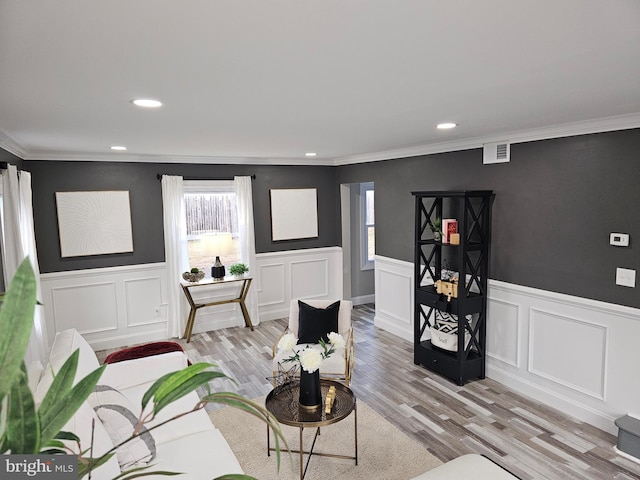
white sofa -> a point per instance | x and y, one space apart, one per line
472 466
191 444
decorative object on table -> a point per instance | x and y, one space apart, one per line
449 226
217 271
444 332
436 228
238 269
310 359
310 393
283 379
454 239
194 275
331 397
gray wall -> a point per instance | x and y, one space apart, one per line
146 205
556 203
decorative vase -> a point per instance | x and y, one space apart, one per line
217 271
310 393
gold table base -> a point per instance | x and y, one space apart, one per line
240 299
282 402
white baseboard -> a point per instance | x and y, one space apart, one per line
553 399
363 299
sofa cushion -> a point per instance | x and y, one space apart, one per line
316 323
185 425
471 465
88 427
117 415
200 456
141 371
141 351
65 343
344 314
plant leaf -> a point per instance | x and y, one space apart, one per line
148 395
172 386
93 463
180 376
16 321
59 414
62 383
23 428
62 435
179 390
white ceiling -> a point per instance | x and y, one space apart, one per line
268 80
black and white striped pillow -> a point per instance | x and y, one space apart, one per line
115 411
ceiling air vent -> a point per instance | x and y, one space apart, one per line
497 152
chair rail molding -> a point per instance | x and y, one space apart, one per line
571 353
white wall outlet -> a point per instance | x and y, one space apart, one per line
626 277
619 239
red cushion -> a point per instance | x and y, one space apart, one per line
140 351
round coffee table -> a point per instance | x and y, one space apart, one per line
282 402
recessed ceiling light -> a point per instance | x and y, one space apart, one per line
310 154
444 126
118 147
146 102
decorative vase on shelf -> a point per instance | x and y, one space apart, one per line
310 393
217 271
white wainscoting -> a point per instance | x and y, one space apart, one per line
577 355
110 307
394 296
283 276
117 306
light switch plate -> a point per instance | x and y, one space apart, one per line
626 277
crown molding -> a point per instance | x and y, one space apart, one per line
152 158
620 122
11 145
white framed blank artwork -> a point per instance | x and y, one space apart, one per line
294 213
94 223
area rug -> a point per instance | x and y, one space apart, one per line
384 452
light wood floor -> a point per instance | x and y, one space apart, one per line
529 439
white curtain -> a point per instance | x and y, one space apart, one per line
18 242
175 252
244 199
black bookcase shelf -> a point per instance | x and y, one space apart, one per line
470 259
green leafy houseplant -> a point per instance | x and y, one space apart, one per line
238 269
436 228
27 429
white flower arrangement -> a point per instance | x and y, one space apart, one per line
310 358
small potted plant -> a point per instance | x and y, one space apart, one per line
193 276
238 269
436 228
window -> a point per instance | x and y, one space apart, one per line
368 235
212 223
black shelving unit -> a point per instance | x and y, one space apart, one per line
470 259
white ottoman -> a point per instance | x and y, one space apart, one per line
467 466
